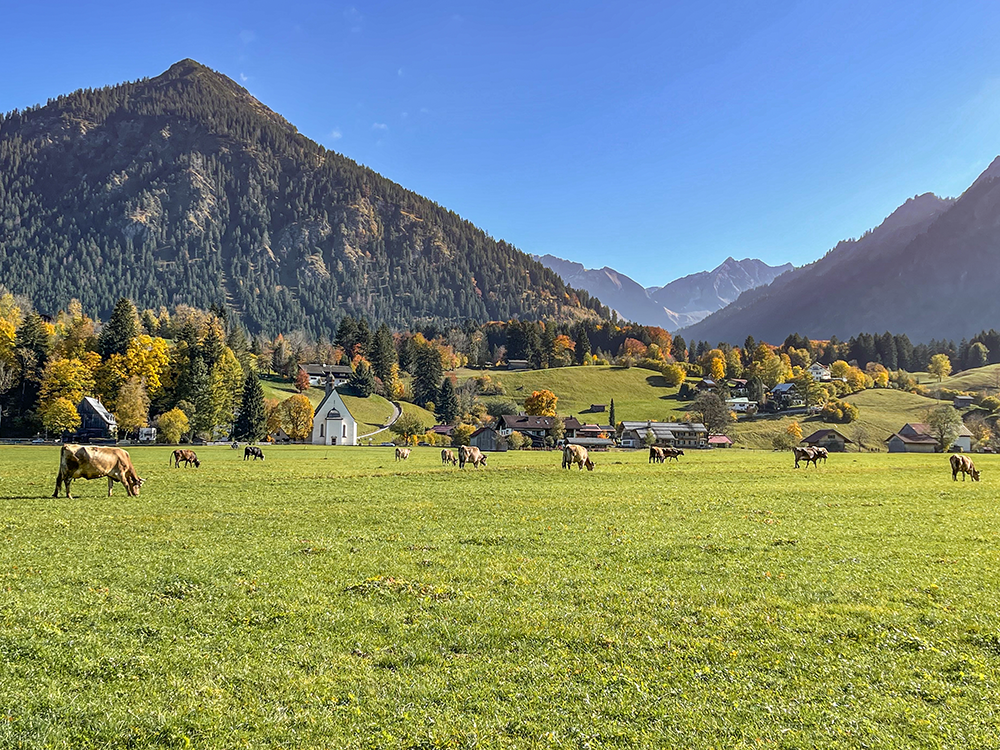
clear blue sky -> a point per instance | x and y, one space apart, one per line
656 137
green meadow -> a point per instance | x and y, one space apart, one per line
334 598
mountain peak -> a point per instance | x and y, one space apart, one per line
991 172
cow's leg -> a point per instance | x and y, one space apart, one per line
66 484
111 483
59 484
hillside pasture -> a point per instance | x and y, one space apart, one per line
977 379
638 393
331 597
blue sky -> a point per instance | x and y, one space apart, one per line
656 138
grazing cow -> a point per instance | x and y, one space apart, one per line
188 457
95 462
235 446
253 450
655 455
674 453
576 454
804 454
402 454
960 463
821 454
470 453
448 457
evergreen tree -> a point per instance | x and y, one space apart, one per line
427 373
121 329
678 349
611 415
582 345
362 381
251 423
447 403
201 396
383 353
211 348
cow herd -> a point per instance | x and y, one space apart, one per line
96 462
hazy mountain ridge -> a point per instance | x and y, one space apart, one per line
185 188
930 270
680 303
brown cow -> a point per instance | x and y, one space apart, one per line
655 455
960 463
448 457
804 454
95 462
674 453
188 457
470 453
821 454
576 454
402 454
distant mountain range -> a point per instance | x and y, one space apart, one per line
680 303
930 270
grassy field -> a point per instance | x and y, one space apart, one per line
978 379
638 393
331 597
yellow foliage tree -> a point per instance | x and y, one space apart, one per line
147 358
68 379
132 406
794 430
461 434
299 416
226 384
674 375
59 416
940 366
273 409
171 425
541 403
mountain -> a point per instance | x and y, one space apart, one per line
681 302
930 270
185 189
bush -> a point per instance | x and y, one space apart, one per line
783 442
839 412
674 374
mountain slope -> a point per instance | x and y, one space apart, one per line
930 270
679 303
184 188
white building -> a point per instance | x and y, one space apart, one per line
333 423
819 373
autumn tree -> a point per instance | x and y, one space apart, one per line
171 426
60 416
940 366
944 423
132 406
302 382
298 417
541 403
713 412
794 430
674 375
461 434
69 379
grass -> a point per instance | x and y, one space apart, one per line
638 393
978 379
331 597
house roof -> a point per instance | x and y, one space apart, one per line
821 434
318 370
334 407
527 422
719 440
99 409
919 429
591 442
442 429
481 430
705 383
572 423
913 439
783 388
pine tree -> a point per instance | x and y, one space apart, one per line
582 345
383 353
121 329
251 423
447 403
201 395
362 381
614 421
427 373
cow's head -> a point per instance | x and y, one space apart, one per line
197 463
132 483
589 464
483 460
975 475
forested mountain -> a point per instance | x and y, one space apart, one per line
681 302
184 188
930 270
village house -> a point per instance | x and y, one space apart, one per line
741 405
536 428
318 374
963 402
827 438
445 430
517 364
738 387
916 437
96 422
785 396
572 425
594 408
719 441
333 423
705 384
819 373
487 439
675 434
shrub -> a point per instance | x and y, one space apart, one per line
839 412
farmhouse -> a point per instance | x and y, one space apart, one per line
572 425
719 441
830 439
916 437
517 364
333 423
786 396
487 439
676 434
741 405
738 387
962 402
96 422
318 374
536 428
